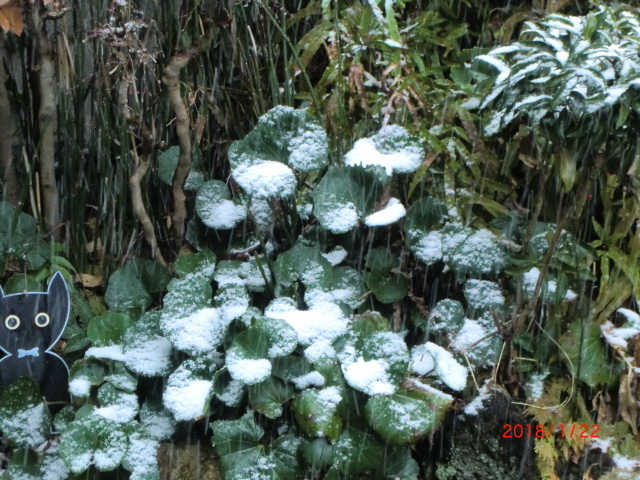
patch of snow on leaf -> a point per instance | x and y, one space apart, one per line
200 332
266 178
393 212
325 321
429 248
123 411
148 355
340 218
335 256
141 457
186 396
112 352
429 356
483 294
248 370
223 215
80 387
311 379
365 152
29 425
370 377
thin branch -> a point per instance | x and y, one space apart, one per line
141 167
171 80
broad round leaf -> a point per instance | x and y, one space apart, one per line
316 412
214 207
93 440
24 417
407 416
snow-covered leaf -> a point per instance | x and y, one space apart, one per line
406 416
147 351
24 417
392 148
215 207
93 440
188 391
316 412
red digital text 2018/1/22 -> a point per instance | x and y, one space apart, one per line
541 431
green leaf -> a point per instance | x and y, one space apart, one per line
121 378
268 397
344 196
316 412
189 390
126 292
215 207
85 373
203 263
285 135
291 366
241 273
21 282
141 458
447 316
93 440
583 344
406 416
317 453
392 148
147 352
167 164
247 356
305 264
471 252
116 405
388 287
356 451
398 464
108 328
237 444
24 417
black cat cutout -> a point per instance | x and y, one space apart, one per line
31 323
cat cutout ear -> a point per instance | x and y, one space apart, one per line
59 306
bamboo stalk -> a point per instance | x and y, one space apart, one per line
9 177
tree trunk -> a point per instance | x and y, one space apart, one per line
45 71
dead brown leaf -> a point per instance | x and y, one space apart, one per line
11 18
88 281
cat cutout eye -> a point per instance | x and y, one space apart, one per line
31 323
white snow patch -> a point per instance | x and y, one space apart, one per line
314 379
365 152
393 212
185 396
80 387
112 352
324 321
223 215
341 218
429 356
150 356
123 411
248 370
369 377
335 256
266 178
200 332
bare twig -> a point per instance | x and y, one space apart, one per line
141 167
171 80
